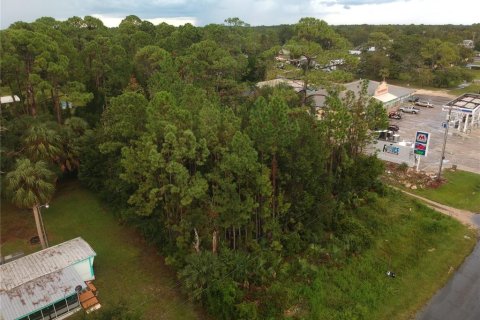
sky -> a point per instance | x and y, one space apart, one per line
254 12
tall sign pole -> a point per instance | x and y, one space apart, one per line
445 136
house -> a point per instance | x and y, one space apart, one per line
468 44
297 85
47 284
391 96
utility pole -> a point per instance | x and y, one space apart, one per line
445 136
44 232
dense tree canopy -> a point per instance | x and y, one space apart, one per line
234 184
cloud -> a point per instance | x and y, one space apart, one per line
254 12
363 2
406 12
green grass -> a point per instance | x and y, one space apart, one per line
461 191
17 227
127 270
472 88
420 245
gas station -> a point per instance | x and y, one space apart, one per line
464 112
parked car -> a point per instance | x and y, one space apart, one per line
393 127
423 103
409 109
413 99
386 135
395 115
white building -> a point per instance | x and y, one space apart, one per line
45 284
465 114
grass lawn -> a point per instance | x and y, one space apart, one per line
127 270
472 88
461 191
421 246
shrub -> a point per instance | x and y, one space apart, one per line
355 236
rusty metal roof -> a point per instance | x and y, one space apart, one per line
39 293
44 262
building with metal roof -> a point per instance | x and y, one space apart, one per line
390 95
45 284
297 85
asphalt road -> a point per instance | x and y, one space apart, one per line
462 150
460 298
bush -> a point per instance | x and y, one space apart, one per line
434 226
246 311
451 77
355 236
221 298
276 300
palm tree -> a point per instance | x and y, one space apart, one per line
42 143
30 185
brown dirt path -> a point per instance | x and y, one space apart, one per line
466 217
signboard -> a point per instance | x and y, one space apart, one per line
421 143
393 152
381 89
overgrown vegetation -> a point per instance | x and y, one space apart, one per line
238 187
325 281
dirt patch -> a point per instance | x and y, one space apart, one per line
16 224
437 93
403 176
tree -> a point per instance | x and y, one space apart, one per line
27 49
30 185
236 22
316 44
212 67
71 135
380 41
440 54
41 143
152 59
272 131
